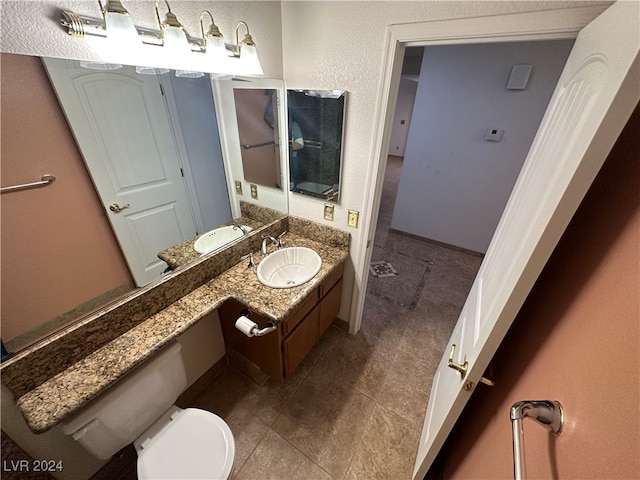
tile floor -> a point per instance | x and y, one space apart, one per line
354 409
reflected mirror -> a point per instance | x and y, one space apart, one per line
60 256
315 124
259 135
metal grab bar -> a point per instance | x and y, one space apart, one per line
547 413
46 180
310 144
246 146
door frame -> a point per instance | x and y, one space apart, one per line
540 25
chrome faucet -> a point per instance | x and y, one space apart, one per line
265 239
280 242
242 228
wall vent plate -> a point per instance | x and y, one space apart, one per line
238 187
328 212
254 190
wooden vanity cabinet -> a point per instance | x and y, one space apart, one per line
279 353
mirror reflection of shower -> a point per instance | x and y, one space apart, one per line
315 127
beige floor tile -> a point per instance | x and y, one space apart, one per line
276 459
361 361
248 430
325 419
387 449
235 393
406 388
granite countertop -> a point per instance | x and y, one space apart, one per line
48 404
184 252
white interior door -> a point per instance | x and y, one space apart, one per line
120 123
595 96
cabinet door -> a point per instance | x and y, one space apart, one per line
300 342
329 307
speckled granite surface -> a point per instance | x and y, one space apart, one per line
252 215
42 361
46 404
184 252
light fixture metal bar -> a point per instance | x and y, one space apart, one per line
82 25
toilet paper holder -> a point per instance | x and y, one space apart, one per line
258 332
255 331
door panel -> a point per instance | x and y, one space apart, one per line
120 123
592 101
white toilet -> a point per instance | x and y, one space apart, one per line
171 442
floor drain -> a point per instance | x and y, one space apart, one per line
382 269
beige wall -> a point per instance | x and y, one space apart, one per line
58 250
576 340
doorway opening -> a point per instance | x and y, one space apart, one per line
446 180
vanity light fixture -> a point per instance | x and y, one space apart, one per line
213 42
246 52
116 31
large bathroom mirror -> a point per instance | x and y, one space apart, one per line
315 124
60 256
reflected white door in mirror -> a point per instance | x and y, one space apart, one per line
120 123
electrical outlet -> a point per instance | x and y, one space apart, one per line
352 219
254 190
328 212
238 187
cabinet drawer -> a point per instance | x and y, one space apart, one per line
300 312
296 346
329 307
331 280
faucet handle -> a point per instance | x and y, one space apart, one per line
280 242
250 257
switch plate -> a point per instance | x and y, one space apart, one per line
328 212
352 219
238 187
254 190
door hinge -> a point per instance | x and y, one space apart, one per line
161 89
182 172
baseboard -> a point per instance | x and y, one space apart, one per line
436 242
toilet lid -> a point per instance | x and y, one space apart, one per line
195 444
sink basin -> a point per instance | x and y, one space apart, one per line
289 267
219 237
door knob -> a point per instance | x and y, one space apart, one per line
114 207
456 366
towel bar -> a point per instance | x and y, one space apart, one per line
46 180
547 413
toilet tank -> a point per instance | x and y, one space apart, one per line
118 416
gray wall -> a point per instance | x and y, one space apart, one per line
197 117
454 184
404 110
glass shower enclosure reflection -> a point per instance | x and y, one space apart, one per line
316 120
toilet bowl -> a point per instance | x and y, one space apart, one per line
171 442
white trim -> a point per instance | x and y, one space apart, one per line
543 25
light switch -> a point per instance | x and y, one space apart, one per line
254 190
352 219
238 187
